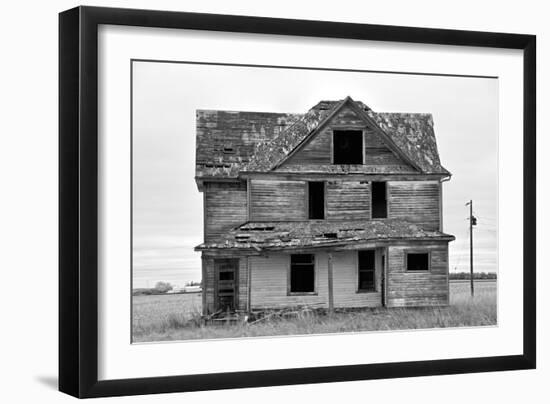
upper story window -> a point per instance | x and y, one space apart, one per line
316 200
347 146
379 203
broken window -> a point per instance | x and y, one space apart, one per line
418 261
366 271
316 200
347 146
378 200
302 273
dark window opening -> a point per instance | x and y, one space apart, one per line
366 271
418 262
347 147
228 149
316 200
378 198
227 276
302 273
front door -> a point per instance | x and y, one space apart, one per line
226 283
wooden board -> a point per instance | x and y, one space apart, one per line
277 200
415 201
348 200
225 207
208 286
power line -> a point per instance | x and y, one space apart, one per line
462 246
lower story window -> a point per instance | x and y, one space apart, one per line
418 261
302 273
366 271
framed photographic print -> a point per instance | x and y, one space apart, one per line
270 201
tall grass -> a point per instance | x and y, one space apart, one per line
176 317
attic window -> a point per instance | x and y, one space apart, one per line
228 150
347 146
316 200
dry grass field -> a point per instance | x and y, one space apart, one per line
176 317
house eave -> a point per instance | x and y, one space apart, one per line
200 180
327 246
353 175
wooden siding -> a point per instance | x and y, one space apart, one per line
378 154
348 200
270 282
346 282
208 291
277 200
225 207
418 288
415 201
243 284
346 117
317 151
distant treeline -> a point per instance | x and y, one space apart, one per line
152 291
477 275
147 291
161 288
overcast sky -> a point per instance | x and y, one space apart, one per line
167 207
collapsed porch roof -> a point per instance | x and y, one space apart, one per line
258 236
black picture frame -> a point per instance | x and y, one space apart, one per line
78 201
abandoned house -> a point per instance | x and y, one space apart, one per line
340 207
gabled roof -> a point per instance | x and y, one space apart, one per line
262 141
309 234
360 109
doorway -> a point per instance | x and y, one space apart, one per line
226 272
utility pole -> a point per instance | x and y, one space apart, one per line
330 285
473 222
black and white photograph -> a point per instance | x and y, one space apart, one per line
287 200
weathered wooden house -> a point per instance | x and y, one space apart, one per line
337 207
